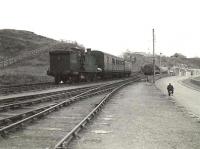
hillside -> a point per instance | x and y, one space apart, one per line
16 42
31 68
178 61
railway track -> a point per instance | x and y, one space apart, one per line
27 100
96 98
21 103
14 89
63 143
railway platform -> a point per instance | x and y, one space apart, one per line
140 116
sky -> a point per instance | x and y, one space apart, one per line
112 26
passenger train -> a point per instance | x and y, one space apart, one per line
76 65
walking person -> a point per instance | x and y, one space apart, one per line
170 89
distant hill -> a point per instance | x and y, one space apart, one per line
30 68
189 62
140 59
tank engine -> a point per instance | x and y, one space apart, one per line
76 65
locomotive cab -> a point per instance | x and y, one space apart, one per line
73 65
64 65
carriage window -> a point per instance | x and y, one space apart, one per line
113 61
107 59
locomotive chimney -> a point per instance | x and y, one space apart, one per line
88 50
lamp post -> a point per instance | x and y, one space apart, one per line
153 58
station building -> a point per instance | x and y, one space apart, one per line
184 71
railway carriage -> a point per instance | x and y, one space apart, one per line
111 66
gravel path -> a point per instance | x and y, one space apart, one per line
185 96
140 117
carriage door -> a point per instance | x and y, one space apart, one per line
113 65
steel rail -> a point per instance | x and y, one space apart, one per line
22 85
30 87
18 117
11 119
24 97
5 130
6 89
66 139
57 96
26 87
18 88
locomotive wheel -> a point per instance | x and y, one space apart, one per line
70 79
76 79
64 79
57 79
93 77
90 77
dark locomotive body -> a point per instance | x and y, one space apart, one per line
77 65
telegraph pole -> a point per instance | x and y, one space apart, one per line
160 60
153 58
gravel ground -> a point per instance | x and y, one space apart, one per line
140 117
185 96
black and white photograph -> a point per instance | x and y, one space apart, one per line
99 74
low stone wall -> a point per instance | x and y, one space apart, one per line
195 81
